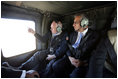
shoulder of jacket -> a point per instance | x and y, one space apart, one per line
92 31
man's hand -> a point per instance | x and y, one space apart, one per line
77 62
30 30
32 74
50 57
74 61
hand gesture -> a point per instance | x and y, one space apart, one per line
50 57
30 30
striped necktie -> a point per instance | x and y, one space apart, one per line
78 41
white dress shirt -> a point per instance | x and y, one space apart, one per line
83 34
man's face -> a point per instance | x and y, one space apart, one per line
53 27
76 23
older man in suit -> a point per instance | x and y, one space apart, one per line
81 43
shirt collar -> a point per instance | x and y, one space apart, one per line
84 32
53 35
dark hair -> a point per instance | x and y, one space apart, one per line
56 21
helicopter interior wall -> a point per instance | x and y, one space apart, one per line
98 18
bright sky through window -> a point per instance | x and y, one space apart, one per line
15 38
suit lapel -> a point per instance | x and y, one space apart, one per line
85 38
74 38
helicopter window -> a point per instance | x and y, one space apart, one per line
15 38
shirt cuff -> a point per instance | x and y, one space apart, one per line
23 74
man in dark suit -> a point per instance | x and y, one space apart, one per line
81 43
103 62
57 45
7 72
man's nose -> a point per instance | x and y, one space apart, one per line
73 24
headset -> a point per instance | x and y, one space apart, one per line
84 21
59 28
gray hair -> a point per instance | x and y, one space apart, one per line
80 14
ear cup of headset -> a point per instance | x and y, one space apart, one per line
59 29
84 22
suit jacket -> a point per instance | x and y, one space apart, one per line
10 73
44 38
97 60
87 44
56 45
